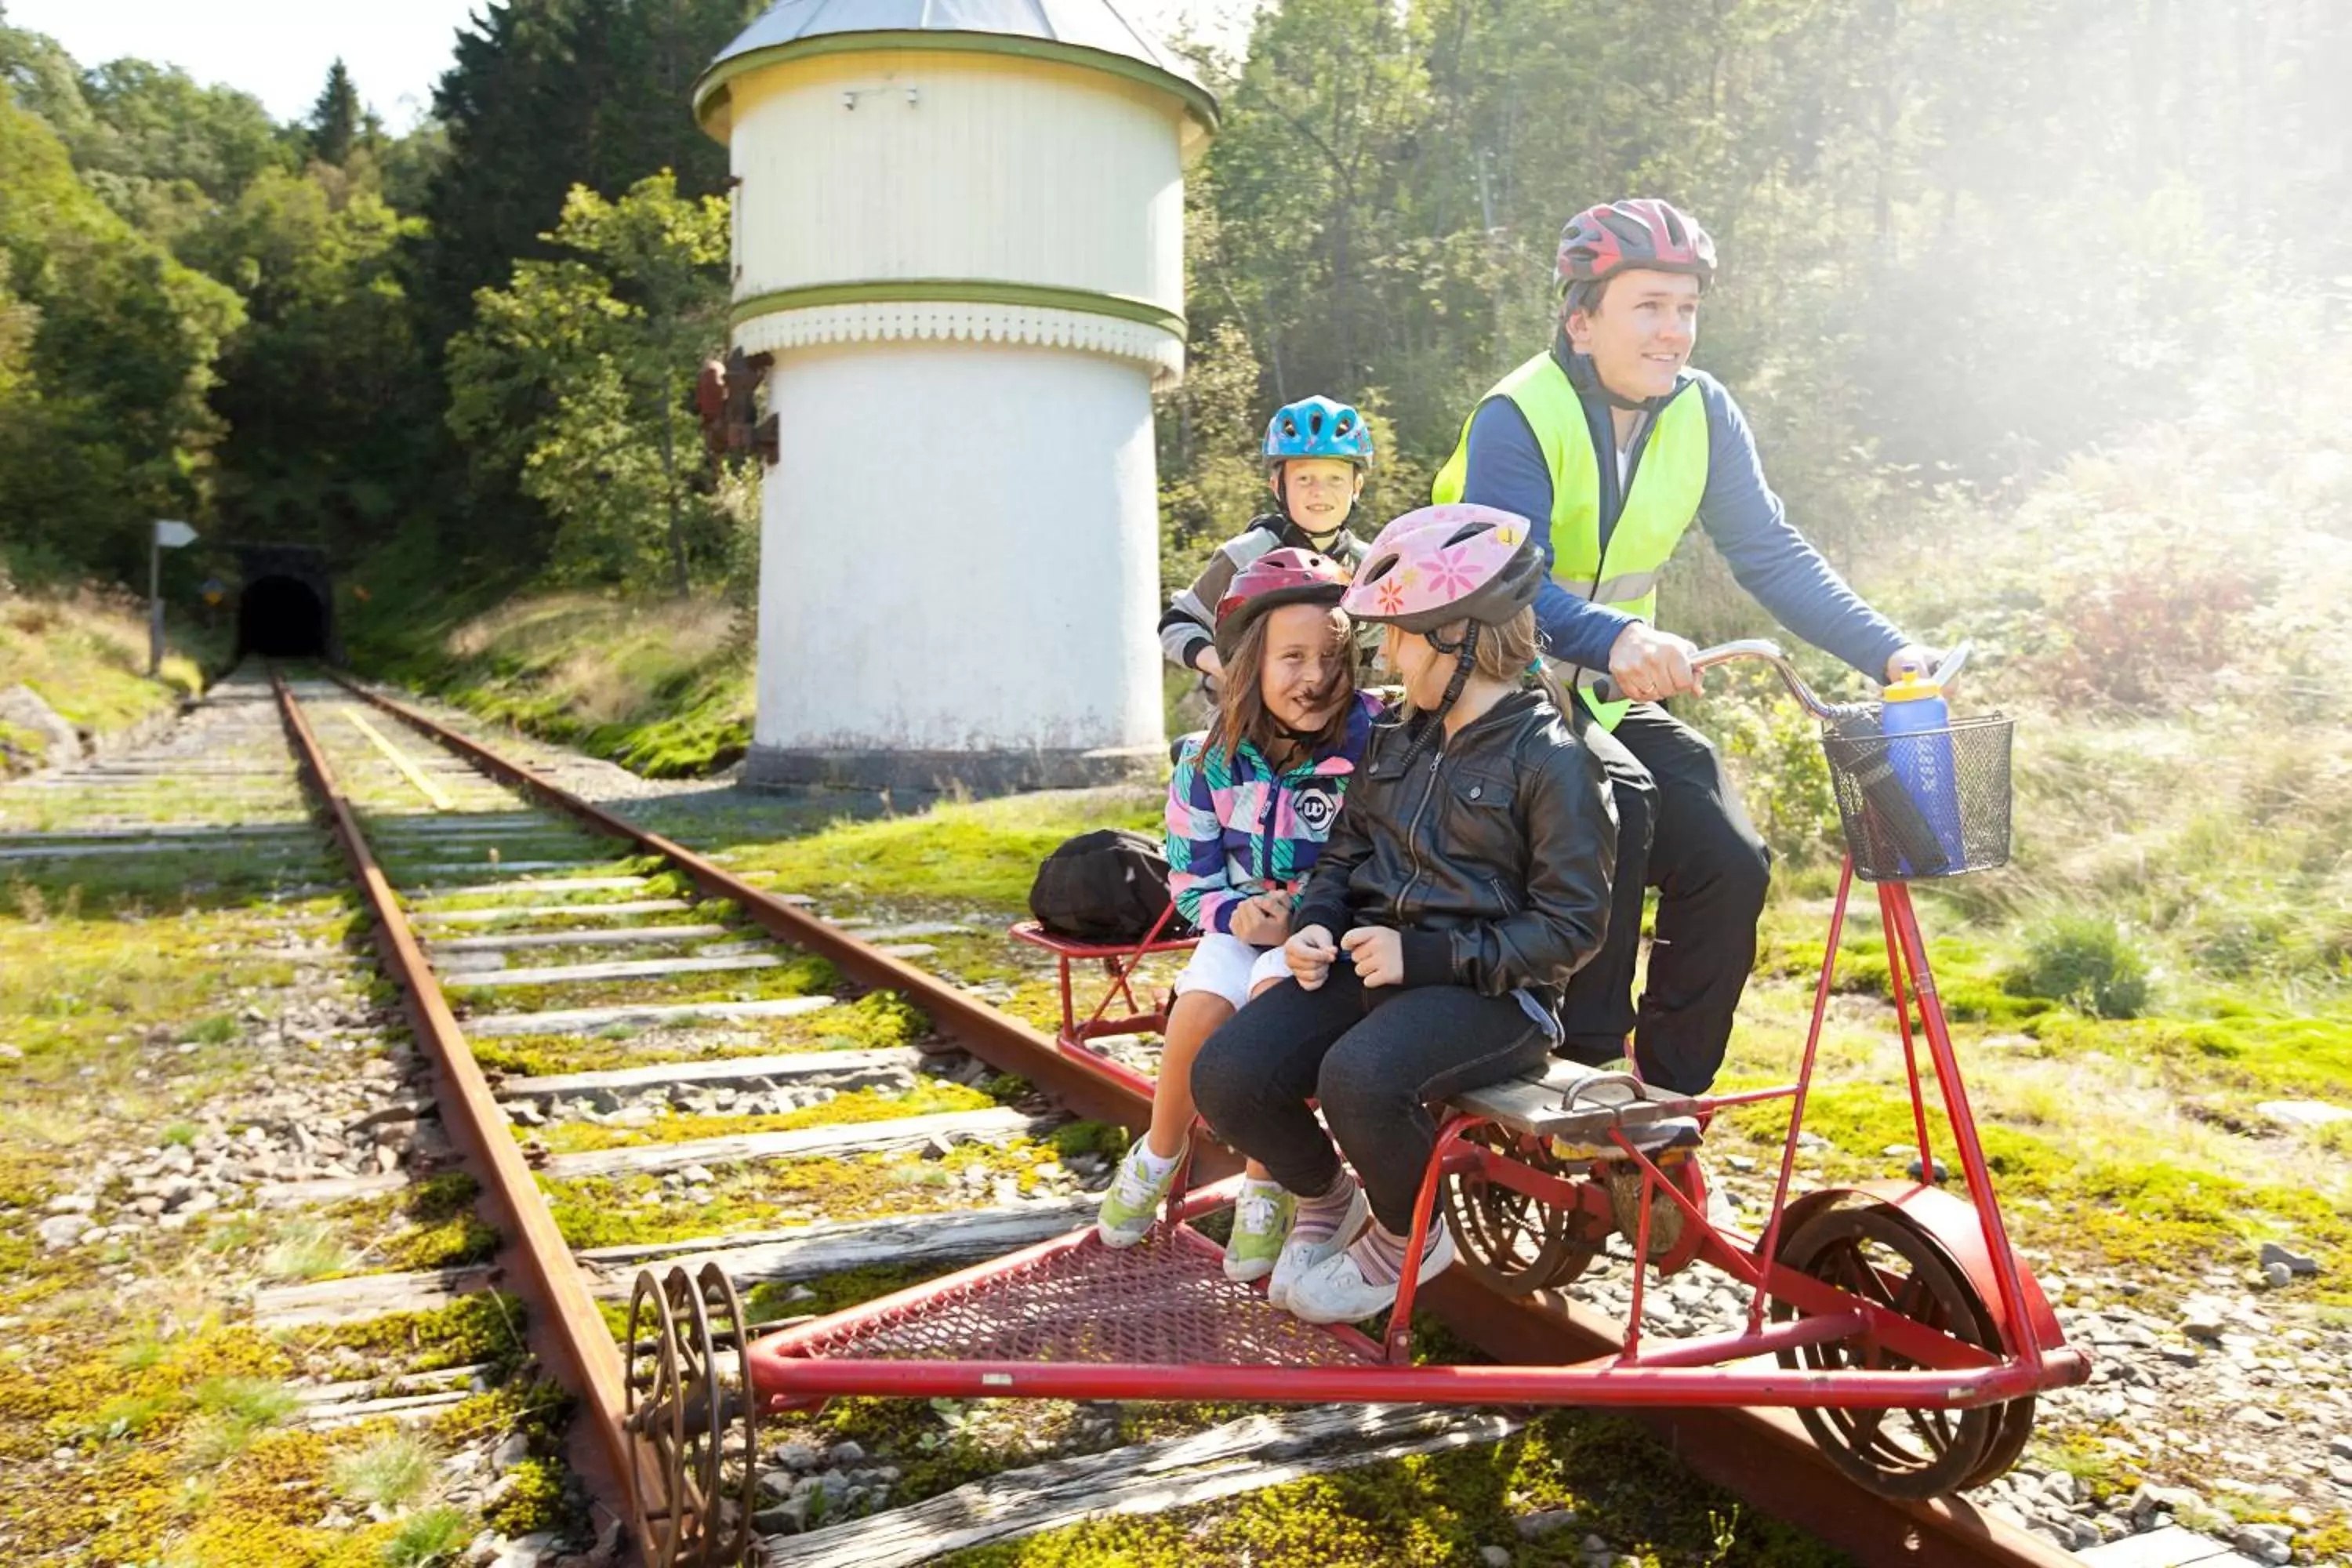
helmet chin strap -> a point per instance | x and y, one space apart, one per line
1466 659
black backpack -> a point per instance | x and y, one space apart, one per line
1110 885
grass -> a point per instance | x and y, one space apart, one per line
430 1223
393 1470
84 654
957 853
307 1250
658 684
427 1538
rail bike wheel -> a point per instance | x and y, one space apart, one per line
1881 1255
1511 1242
693 1425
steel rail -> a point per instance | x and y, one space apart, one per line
1764 1455
566 1326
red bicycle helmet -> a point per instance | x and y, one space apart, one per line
1655 236
1277 578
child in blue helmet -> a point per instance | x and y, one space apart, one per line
1318 452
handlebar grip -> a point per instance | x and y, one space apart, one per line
1605 690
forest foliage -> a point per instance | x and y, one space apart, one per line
1962 240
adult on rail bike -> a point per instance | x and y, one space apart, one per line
1617 380
1467 879
1318 452
1249 808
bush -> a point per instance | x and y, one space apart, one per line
2086 962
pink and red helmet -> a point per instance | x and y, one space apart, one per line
1446 563
1616 236
1277 578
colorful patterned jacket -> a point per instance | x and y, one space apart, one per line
1235 829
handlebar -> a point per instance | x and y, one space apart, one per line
1759 648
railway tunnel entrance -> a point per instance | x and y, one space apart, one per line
278 618
286 608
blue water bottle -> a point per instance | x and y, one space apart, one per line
1917 725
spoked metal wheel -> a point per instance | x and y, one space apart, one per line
1880 1255
1517 1244
690 1413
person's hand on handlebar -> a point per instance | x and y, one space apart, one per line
1919 659
1646 664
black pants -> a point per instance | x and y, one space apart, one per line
1373 1057
1682 830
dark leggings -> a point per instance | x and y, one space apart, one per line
1374 1058
1682 830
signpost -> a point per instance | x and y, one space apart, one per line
169 535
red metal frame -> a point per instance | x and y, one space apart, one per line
1118 961
1715 1370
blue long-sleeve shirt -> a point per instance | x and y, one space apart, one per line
1770 559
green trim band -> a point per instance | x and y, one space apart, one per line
1197 99
961 291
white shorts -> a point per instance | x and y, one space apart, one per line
1229 967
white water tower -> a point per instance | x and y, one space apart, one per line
959 237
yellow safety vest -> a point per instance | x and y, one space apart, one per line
1667 486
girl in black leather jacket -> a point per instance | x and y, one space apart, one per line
1468 876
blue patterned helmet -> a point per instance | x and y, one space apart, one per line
1318 427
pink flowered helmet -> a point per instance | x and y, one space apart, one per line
1445 564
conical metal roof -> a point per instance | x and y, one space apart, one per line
1089 32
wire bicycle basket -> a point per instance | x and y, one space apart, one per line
1926 803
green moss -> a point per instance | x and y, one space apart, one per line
802 975
2258 1051
429 1224
985 852
1106 1139
535 1501
614 1211
2159 1222
931 1097
876 1021
486 1327
1435 1509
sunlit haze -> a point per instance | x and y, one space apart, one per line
278 50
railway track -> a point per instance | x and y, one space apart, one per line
470 863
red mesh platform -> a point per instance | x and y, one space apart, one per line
1163 1301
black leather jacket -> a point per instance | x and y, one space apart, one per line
1493 856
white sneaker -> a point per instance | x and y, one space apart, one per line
1335 1292
1299 1256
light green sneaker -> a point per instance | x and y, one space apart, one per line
1262 1217
1131 1208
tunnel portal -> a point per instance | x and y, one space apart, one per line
278 618
286 608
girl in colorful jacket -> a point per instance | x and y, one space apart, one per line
1248 810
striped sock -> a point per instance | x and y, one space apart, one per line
1380 1256
1317 1217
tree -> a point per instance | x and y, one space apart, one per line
335 119
331 410
107 348
575 373
547 94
